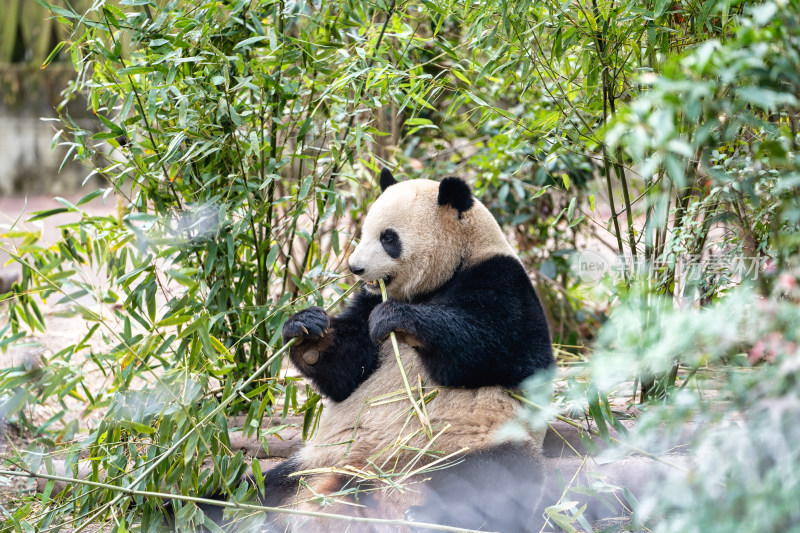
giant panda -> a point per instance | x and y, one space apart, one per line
469 327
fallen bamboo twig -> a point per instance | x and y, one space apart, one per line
127 491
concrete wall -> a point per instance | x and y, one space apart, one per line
28 164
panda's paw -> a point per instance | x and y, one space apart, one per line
309 323
387 317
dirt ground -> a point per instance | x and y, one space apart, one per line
63 331
14 211
64 327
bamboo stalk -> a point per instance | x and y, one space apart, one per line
422 418
565 491
232 505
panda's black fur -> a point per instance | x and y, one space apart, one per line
477 332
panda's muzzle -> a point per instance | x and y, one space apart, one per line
375 284
371 284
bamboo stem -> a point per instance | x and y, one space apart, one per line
422 418
233 505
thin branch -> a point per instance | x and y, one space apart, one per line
422 418
127 491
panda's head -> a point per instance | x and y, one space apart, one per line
418 233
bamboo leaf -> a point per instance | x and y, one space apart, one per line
14 403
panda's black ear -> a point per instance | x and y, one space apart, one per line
455 193
387 180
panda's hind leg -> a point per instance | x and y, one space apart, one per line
279 489
498 489
278 486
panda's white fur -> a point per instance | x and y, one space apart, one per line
364 430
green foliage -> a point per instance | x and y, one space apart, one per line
719 130
545 79
727 354
730 415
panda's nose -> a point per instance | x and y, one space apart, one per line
355 270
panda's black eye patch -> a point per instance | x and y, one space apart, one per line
390 241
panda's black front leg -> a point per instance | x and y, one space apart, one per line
335 353
458 348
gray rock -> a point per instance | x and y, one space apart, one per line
7 279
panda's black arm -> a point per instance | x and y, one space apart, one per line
485 327
336 353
